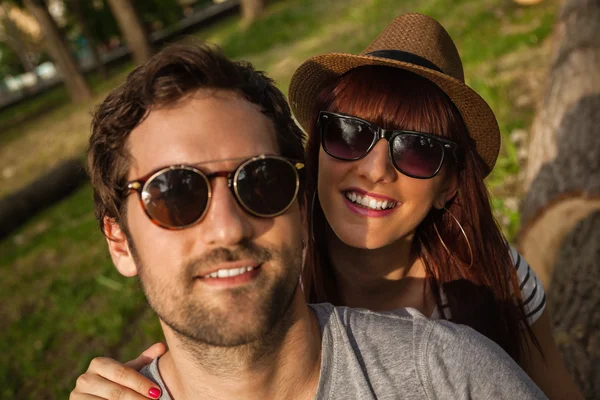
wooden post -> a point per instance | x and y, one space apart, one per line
45 191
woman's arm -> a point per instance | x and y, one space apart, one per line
109 379
548 371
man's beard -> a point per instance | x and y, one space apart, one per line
256 312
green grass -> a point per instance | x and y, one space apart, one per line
63 302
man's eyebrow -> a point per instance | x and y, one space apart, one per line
230 159
224 160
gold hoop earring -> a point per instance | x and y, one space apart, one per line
464 234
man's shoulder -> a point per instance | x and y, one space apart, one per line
404 330
366 353
356 316
378 329
437 330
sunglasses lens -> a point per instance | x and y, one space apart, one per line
267 187
176 197
346 139
416 155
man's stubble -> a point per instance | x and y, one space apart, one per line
207 331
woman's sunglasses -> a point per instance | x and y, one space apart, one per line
415 154
178 196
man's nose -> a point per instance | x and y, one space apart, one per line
376 166
225 223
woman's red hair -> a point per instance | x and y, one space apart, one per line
485 296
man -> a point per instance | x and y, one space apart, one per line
196 167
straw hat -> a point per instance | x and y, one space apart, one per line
416 43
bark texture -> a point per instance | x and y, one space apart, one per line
132 28
560 235
574 302
76 85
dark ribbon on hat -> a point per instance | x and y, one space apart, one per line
400 55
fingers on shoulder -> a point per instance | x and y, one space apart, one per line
110 369
93 386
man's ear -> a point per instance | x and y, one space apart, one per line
119 248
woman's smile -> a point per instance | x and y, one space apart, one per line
369 204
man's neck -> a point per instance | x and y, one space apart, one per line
287 367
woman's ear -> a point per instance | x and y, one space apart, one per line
448 191
119 248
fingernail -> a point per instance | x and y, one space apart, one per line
154 393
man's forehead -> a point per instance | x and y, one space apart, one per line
208 125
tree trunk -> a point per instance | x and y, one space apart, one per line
574 303
563 189
89 37
132 29
15 41
57 47
251 10
563 170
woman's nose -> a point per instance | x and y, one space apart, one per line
376 166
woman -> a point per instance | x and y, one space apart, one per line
405 221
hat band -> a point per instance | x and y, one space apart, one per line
404 56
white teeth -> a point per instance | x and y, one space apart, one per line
226 273
223 273
370 202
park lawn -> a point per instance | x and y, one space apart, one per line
63 303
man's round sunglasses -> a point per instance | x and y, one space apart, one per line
178 196
415 154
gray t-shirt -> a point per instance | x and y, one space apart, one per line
404 355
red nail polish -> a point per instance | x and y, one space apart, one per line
154 393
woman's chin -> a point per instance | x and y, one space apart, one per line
369 240
363 242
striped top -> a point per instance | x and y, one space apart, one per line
532 291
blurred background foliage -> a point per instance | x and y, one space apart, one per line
62 302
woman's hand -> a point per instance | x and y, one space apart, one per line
109 379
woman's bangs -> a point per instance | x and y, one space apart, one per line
393 98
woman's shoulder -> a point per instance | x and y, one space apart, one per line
532 290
